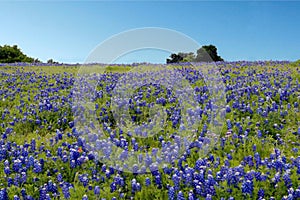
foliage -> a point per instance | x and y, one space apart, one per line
51 61
12 54
174 58
207 53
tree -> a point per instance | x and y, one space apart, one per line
51 61
187 57
175 58
208 54
181 57
37 61
12 54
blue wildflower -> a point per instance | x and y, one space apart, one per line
171 193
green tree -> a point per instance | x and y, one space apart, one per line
51 61
187 57
181 57
12 54
208 53
174 58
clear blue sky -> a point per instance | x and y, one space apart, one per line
68 31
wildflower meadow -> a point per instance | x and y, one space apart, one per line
173 132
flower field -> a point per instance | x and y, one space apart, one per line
54 145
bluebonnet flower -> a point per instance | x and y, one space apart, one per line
17 165
191 196
97 190
65 159
297 193
158 181
9 181
229 156
37 167
188 179
48 197
30 162
17 180
138 187
66 192
23 193
171 193
3 194
199 163
6 163
180 196
223 140
33 145
59 151
257 159
147 181
276 178
259 133
85 197
277 152
135 186
72 164
295 150
84 179
16 197
7 170
247 187
176 181
287 179
103 168
113 187
254 148
229 125
23 177
227 163
208 197
43 193
59 177
228 110
261 193
51 187
211 158
198 189
298 169
107 173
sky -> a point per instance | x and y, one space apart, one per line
68 31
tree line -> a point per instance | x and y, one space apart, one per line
207 53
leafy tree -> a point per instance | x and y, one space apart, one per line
51 61
208 53
175 58
37 61
181 57
12 54
187 57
